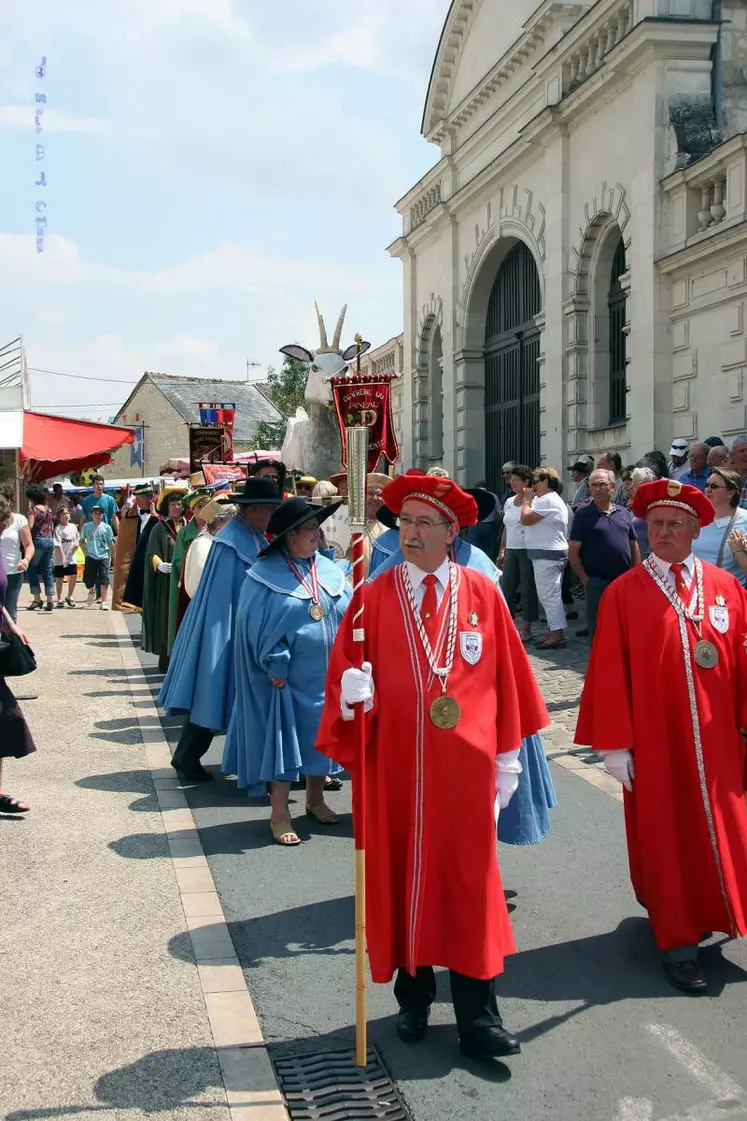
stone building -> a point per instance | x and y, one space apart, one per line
166 406
575 264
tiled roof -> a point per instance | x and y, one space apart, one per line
185 395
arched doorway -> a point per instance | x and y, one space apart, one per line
512 378
436 397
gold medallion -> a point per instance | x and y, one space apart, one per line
316 611
706 654
445 712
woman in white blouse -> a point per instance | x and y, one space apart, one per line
516 566
545 518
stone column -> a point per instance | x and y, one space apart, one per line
469 391
554 413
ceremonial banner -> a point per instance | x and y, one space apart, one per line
218 414
364 401
205 446
222 473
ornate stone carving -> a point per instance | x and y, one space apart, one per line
431 315
608 202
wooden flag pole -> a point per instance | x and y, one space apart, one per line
357 447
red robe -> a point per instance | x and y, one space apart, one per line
690 875
434 893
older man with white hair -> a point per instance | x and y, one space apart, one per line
738 463
603 543
717 457
697 476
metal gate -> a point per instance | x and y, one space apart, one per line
512 420
617 347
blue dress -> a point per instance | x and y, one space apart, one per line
200 679
526 818
382 548
273 731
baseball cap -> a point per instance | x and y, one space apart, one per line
679 447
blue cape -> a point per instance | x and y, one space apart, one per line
272 732
382 548
526 818
201 680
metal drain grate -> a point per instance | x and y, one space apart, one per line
328 1086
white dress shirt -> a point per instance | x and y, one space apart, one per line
417 576
665 570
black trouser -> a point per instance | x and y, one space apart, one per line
475 1006
194 742
595 588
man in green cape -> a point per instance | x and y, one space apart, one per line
158 556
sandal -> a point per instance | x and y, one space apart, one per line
543 644
322 813
333 785
10 805
284 833
35 605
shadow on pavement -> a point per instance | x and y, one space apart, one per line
622 964
142 846
159 1082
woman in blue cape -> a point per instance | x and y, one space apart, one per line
289 611
526 818
200 679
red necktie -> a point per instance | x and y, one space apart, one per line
680 586
429 607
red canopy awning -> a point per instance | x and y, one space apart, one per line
56 445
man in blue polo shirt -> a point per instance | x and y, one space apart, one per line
104 502
698 474
603 543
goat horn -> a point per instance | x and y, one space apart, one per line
324 345
338 328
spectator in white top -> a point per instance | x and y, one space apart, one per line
197 554
518 574
16 549
58 499
545 517
66 538
678 459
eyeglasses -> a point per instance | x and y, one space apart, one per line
423 524
715 486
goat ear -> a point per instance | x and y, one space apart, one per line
351 352
293 350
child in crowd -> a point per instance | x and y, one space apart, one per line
97 538
66 538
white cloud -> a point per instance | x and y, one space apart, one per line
54 120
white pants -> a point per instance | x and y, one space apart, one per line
548 578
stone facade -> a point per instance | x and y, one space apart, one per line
594 135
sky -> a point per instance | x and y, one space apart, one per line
212 167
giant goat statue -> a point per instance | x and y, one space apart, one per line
312 439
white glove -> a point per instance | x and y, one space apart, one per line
165 567
507 777
619 764
357 688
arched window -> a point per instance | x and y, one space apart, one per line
617 338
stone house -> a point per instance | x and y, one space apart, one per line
166 405
575 264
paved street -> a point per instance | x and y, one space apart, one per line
107 902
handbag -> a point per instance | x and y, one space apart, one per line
16 658
725 538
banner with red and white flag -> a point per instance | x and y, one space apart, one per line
364 401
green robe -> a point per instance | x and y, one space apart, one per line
154 638
184 539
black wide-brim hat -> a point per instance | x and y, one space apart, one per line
294 513
485 507
485 500
258 492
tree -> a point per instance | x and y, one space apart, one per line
285 388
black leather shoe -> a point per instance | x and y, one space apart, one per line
687 976
490 1043
412 1025
583 633
194 773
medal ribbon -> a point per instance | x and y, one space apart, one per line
311 587
442 673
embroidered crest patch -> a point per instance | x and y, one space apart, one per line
470 644
719 617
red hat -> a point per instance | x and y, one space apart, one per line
669 492
442 494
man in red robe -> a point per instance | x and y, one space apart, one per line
450 697
672 733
